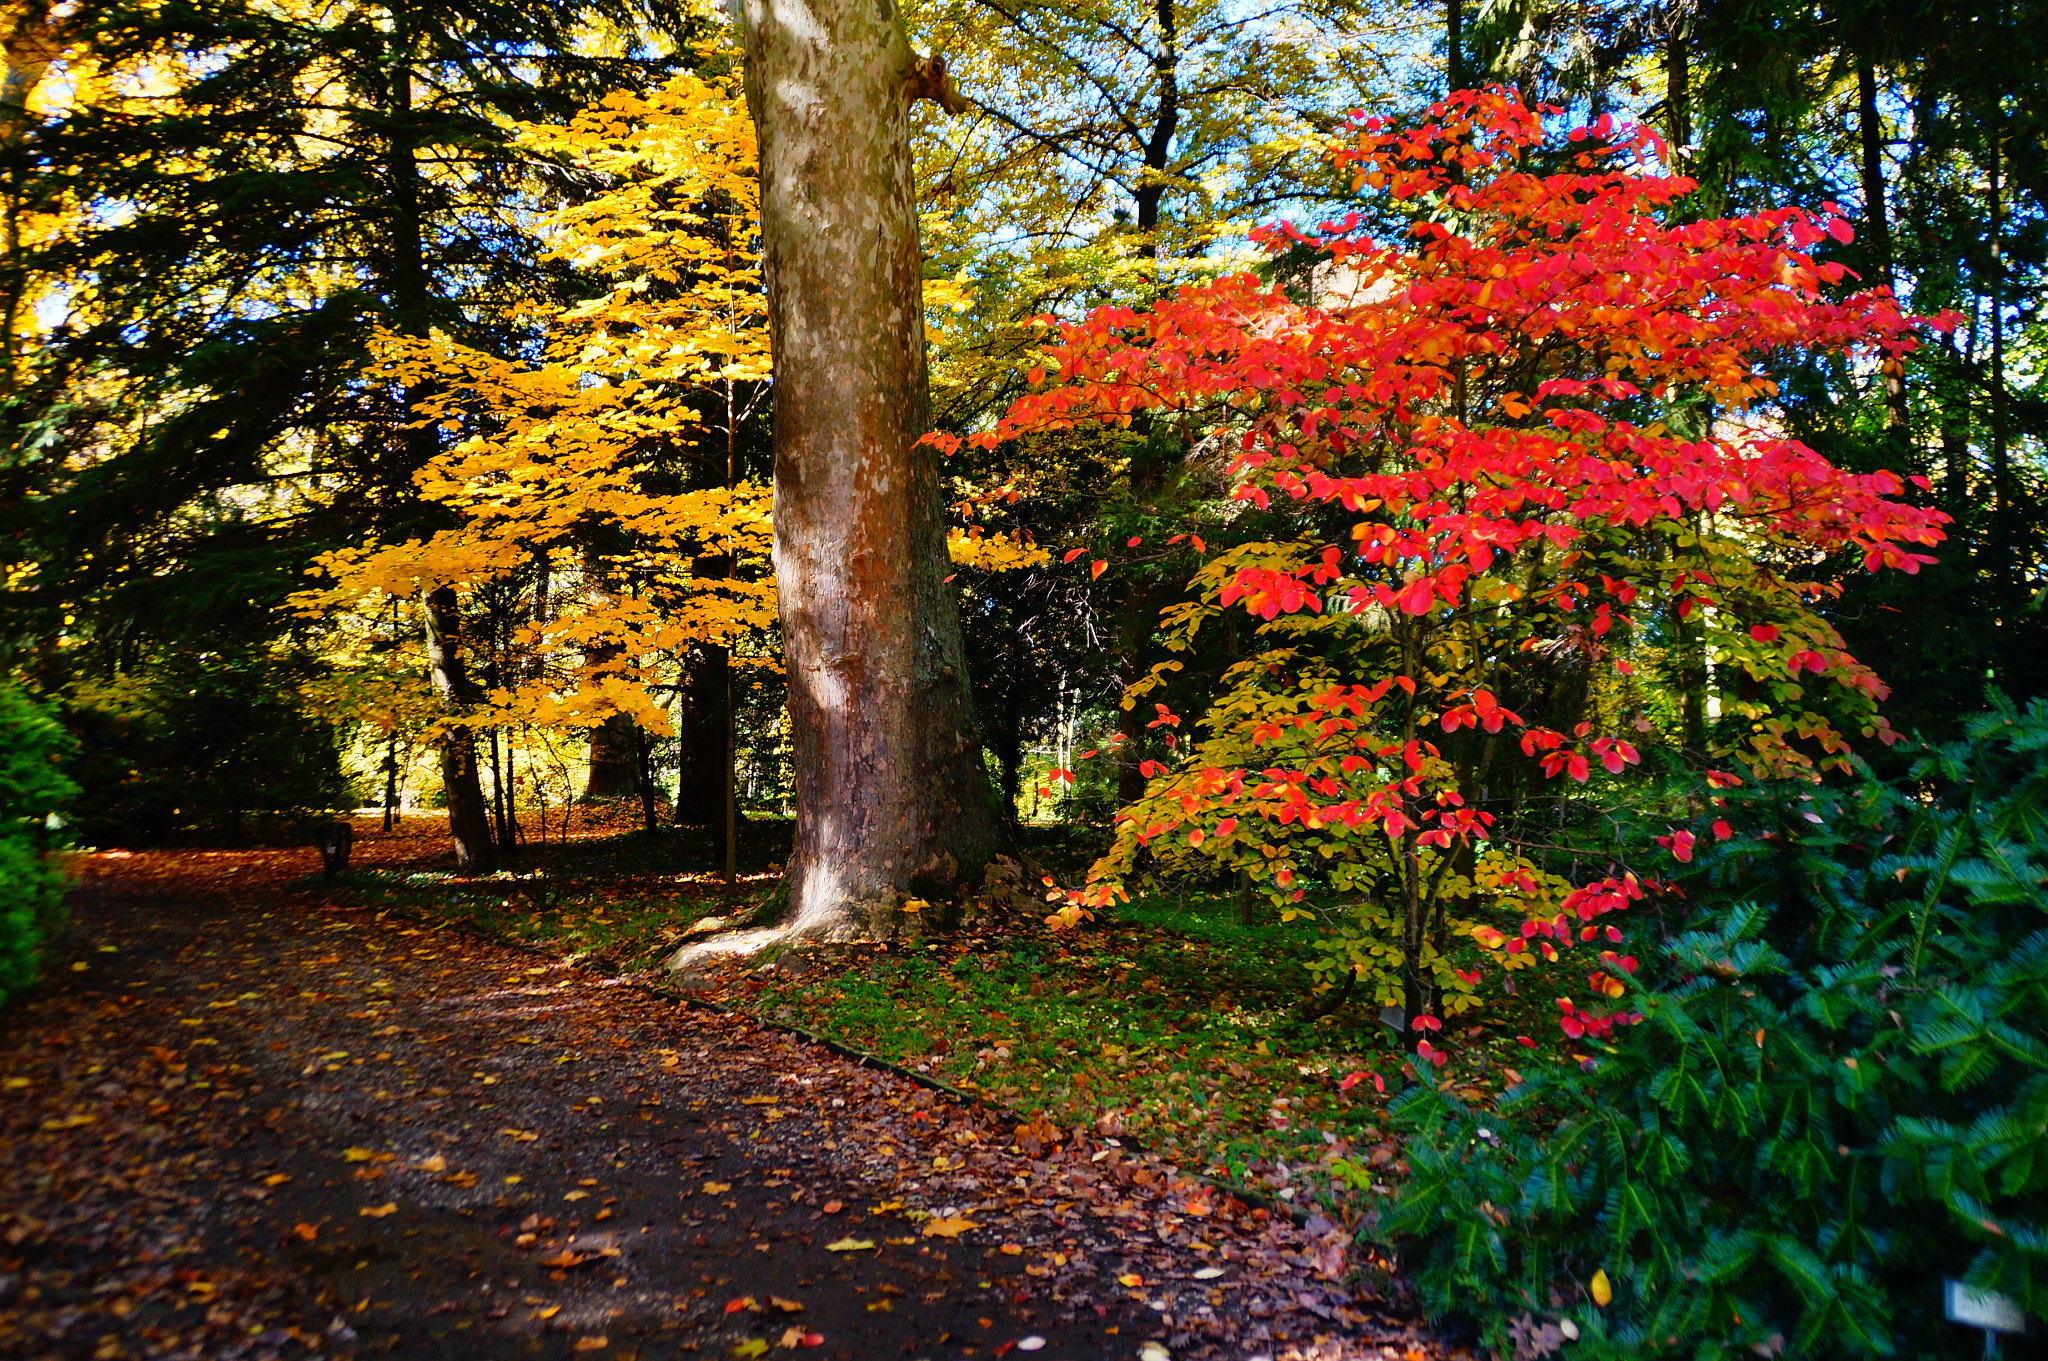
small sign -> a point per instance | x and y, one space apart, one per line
1984 1309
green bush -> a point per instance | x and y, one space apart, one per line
1837 1096
31 789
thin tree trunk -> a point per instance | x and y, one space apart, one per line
1454 45
391 783
1677 90
31 44
1877 227
890 799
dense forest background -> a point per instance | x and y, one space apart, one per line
224 220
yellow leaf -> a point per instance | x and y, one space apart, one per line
437 1163
277 1179
1603 1290
759 1100
548 1312
850 1245
357 1155
592 1344
1012 1250
577 1195
379 1211
952 1226
786 1306
72 1121
1130 1279
717 1188
751 1347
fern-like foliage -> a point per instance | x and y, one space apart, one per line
1838 1095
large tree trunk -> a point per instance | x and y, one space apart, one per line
890 803
614 759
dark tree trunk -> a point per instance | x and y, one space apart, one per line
890 798
1877 227
469 822
1454 45
614 759
1677 90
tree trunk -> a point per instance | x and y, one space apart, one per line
1454 45
469 822
614 759
1877 227
1677 92
890 800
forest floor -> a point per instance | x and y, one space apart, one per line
246 1117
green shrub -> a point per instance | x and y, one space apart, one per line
31 789
1837 1096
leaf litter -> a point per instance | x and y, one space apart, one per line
190 1185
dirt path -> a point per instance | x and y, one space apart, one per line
243 1122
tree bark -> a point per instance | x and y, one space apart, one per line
1877 227
468 821
614 759
890 799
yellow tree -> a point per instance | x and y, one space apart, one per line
598 483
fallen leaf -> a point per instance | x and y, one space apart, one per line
791 1337
753 1346
1012 1250
1130 1279
1034 1343
524 1136
305 1231
881 1307
379 1211
786 1306
565 1259
1602 1288
277 1179
1152 1351
547 1313
72 1121
759 1100
358 1155
833 1207
592 1344
576 1195
850 1245
437 1163
743 1302
717 1188
1208 1273
952 1226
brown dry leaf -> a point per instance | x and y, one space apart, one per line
952 1226
759 1100
565 1259
307 1232
833 1207
524 1136
437 1163
786 1306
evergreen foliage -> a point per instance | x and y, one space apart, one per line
1836 1097
31 789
